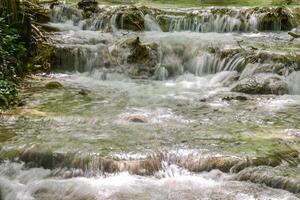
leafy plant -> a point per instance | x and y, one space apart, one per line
11 49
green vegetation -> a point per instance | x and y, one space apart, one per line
20 49
12 50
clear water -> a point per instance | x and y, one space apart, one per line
126 119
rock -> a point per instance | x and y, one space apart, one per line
137 120
53 85
83 92
164 22
130 19
276 19
280 177
261 84
139 58
139 52
88 6
257 68
237 97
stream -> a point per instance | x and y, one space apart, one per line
148 110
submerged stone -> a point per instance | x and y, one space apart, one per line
281 177
262 84
235 97
83 92
137 120
273 160
53 85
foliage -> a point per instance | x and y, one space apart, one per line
11 49
8 93
8 88
11 52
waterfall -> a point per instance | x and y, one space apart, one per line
202 20
114 23
151 24
65 13
161 73
211 64
82 58
209 22
249 70
294 82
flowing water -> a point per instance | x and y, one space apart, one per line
174 130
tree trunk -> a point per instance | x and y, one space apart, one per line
10 9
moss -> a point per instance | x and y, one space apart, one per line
281 177
42 60
273 159
130 19
139 54
276 19
9 154
163 22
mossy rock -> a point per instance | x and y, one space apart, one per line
262 84
139 52
278 19
281 177
164 22
130 19
53 85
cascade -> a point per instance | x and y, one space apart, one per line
160 103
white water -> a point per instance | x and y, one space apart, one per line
294 83
101 111
170 183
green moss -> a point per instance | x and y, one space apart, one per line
163 22
53 85
9 154
129 19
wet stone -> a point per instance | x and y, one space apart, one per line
53 85
262 84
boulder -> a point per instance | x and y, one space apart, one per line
278 19
257 68
261 84
130 19
53 85
88 7
138 58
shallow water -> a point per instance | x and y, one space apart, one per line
191 118
170 183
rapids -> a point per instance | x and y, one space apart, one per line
150 113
